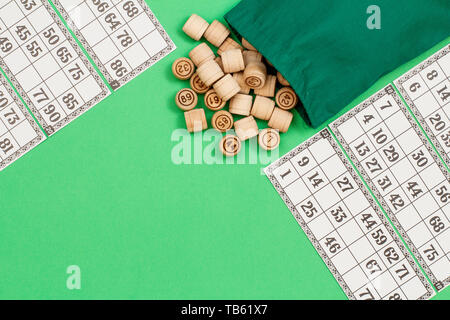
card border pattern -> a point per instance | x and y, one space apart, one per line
326 134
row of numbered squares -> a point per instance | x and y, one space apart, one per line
384 137
412 289
111 24
116 40
400 197
55 109
41 92
434 78
422 210
374 258
376 136
318 182
431 180
33 43
393 157
374 271
365 224
304 161
83 12
403 158
19 29
13 11
385 270
70 98
415 185
335 212
57 79
46 63
384 110
131 57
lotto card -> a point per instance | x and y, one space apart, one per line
405 175
19 133
343 222
45 64
426 89
123 37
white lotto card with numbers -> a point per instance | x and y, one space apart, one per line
343 222
405 175
19 133
45 64
123 37
426 89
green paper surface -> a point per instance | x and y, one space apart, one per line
104 194
327 52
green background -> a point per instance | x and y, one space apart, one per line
104 194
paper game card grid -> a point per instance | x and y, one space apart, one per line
123 37
426 90
19 133
345 225
45 64
405 175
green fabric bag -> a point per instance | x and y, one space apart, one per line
325 49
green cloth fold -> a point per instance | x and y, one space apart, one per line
325 49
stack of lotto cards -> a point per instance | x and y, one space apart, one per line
371 179
49 70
